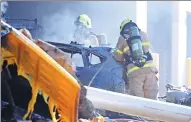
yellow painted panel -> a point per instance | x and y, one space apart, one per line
156 61
188 72
44 74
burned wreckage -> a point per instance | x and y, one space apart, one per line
21 89
95 67
19 85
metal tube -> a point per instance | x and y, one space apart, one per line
152 109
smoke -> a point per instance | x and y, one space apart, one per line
4 7
106 18
58 27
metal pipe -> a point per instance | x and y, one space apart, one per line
152 109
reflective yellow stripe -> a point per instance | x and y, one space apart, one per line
137 68
119 51
146 43
126 49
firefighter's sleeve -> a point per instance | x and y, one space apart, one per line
145 42
118 52
94 40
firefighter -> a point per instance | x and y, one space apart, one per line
132 50
83 34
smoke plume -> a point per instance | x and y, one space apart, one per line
4 7
106 18
59 26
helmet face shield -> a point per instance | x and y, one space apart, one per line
79 26
81 31
82 27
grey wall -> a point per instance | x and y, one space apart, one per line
188 34
159 31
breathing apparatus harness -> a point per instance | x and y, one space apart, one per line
131 34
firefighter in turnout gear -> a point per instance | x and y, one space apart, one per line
83 33
132 50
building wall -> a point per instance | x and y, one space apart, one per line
159 31
169 31
179 41
188 34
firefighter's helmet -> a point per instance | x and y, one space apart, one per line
84 20
126 21
126 25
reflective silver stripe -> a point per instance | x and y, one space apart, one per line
125 49
135 68
119 51
147 43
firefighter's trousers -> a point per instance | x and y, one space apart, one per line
143 85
